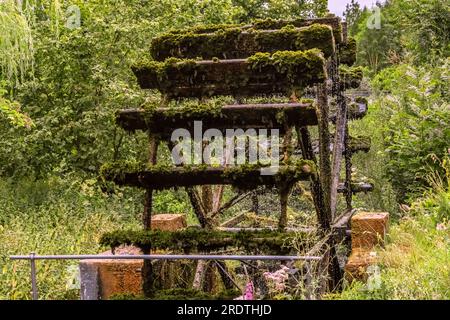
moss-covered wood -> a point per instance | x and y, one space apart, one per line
359 144
164 120
237 43
242 177
194 240
270 24
357 109
332 21
262 73
351 77
347 52
357 187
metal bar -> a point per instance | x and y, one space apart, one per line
165 257
34 291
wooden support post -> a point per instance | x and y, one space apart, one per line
324 150
147 269
338 149
348 171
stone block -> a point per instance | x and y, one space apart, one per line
369 229
357 264
168 222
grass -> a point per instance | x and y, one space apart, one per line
415 264
54 217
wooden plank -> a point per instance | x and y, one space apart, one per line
280 73
265 116
237 43
271 24
167 178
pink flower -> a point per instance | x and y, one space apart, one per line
249 291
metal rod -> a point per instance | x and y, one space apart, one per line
164 257
34 291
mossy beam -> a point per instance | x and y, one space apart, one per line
355 144
356 110
242 177
359 144
262 73
236 43
351 77
333 22
165 120
357 187
202 240
270 24
347 52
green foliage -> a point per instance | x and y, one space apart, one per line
11 110
60 216
415 265
416 127
417 29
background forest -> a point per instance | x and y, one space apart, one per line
65 69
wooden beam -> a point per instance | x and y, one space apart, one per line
238 43
271 24
167 178
255 116
251 76
357 187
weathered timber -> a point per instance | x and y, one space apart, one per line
356 110
164 121
351 77
355 144
281 73
357 187
347 52
237 43
334 22
271 24
167 178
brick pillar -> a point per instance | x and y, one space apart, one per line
368 231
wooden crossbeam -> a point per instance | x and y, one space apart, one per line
356 110
357 187
237 43
169 177
271 24
268 116
279 73
356 144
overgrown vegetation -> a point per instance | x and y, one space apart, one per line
61 85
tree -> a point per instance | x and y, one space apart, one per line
352 14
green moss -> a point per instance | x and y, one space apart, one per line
201 240
272 24
299 67
193 45
181 294
206 29
351 77
347 52
359 143
243 177
236 43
